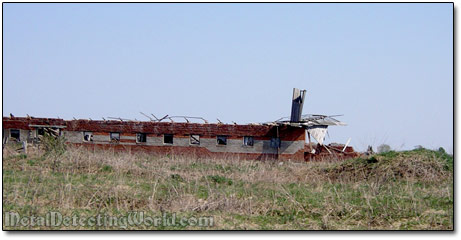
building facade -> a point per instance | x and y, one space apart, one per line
256 142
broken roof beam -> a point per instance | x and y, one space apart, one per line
150 119
121 119
187 118
155 117
46 126
163 118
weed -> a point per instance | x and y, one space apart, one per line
177 177
392 190
106 168
220 179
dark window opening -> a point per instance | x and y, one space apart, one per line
40 131
115 137
168 138
141 137
275 142
87 136
195 139
248 141
221 140
14 133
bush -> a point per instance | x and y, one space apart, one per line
384 148
54 145
442 150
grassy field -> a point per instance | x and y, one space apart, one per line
395 190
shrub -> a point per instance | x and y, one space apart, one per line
442 150
384 148
54 145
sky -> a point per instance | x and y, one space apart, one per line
387 68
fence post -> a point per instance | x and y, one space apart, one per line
24 146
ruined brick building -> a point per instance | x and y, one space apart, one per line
282 139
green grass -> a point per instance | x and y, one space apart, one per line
407 190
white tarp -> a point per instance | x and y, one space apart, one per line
318 133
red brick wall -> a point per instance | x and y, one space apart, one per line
260 132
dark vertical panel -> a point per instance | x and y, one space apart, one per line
297 104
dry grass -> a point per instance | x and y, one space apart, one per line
408 190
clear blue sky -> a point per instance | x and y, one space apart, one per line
387 67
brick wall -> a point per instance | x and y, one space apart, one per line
292 139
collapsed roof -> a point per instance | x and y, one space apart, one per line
315 124
308 120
